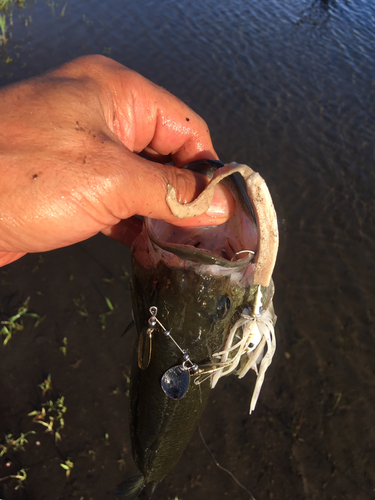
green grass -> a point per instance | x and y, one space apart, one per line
3 29
103 316
15 323
20 476
64 347
46 385
51 412
67 466
14 444
7 5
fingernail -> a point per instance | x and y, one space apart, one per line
222 203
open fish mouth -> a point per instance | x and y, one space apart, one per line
240 238
244 248
234 240
261 202
207 244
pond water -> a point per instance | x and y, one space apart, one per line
289 88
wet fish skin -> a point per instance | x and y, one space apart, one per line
161 427
199 309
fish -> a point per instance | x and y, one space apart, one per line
203 308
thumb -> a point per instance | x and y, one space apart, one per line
8 257
146 192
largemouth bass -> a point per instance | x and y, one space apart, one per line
202 301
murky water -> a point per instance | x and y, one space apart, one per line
289 88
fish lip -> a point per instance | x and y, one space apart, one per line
204 255
261 201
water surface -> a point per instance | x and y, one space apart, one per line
289 88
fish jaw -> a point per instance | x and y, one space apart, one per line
257 190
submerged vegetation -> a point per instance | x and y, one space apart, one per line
15 323
51 416
3 29
51 413
20 477
16 19
103 316
11 444
10 11
6 16
67 466
14 444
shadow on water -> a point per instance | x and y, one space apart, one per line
287 87
320 12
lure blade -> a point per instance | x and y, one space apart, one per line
175 382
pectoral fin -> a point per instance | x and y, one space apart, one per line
130 488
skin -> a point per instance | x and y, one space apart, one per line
69 157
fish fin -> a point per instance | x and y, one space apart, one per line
147 492
130 488
129 327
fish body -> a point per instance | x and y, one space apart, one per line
193 296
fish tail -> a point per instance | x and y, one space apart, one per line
130 488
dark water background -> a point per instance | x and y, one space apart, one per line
289 88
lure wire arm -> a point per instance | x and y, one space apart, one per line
193 368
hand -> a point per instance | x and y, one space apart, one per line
69 163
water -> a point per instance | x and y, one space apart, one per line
289 88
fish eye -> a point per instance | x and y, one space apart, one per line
222 306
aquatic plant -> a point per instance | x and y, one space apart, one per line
14 323
7 7
103 316
106 439
51 412
79 302
3 29
67 466
14 444
20 476
64 347
46 385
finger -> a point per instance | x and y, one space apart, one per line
146 190
153 155
8 257
125 231
171 127
141 114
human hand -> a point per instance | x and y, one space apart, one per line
69 163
